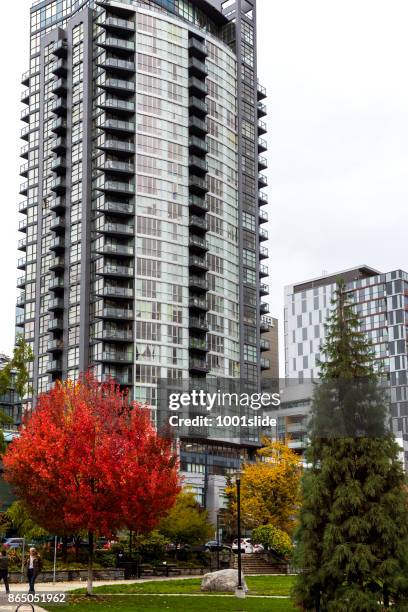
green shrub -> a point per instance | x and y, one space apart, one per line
273 539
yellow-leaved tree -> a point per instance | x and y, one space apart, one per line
269 488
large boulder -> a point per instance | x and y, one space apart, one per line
224 581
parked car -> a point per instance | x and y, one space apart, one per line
258 548
246 546
213 546
13 543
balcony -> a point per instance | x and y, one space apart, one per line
25 115
262 145
263 234
58 185
117 43
21 263
59 68
198 223
197 145
117 356
263 199
197 48
24 169
22 225
198 344
59 107
25 132
111 334
22 244
55 324
117 187
59 145
118 146
57 244
56 304
199 366
60 48
116 271
197 106
198 324
55 366
264 308
261 91
118 65
20 320
55 346
263 216
25 78
25 96
196 243
120 250
58 205
21 281
198 263
56 284
117 85
198 283
262 110
265 345
115 125
197 87
118 105
117 292
116 313
120 379
121 167
197 68
117 208
197 204
263 289
262 181
261 127
198 165
24 188
22 207
58 165
115 24
59 126
57 263
263 252
24 151
198 303
262 162
58 224
198 126
116 228
265 364
263 271
59 87
197 185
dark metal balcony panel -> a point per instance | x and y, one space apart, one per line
21 263
197 204
118 146
261 92
21 281
55 366
198 303
107 42
59 107
117 187
58 205
116 357
197 145
197 126
116 271
25 78
263 289
114 24
262 162
123 380
198 244
117 65
123 229
263 199
59 126
262 145
22 244
263 216
25 96
262 181
198 263
56 304
57 264
117 85
25 132
59 68
265 364
55 324
199 223
121 167
197 184
118 208
114 335
198 106
263 271
197 87
263 253
115 125
57 244
60 48
55 346
23 206
263 234
262 110
120 293
198 324
24 168
197 68
59 87
197 48
24 188
58 165
198 344
198 283
22 225
58 185
57 284
265 345
24 151
58 224
119 250
116 313
262 127
59 145
118 105
198 165
25 115
264 308
198 366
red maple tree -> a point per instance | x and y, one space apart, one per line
87 459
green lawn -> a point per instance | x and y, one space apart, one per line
258 585
156 603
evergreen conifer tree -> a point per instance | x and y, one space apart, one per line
353 532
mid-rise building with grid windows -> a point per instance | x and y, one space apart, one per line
143 248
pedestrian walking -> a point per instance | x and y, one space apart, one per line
33 564
4 568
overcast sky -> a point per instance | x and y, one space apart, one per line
337 86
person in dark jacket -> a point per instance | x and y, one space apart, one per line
33 564
4 565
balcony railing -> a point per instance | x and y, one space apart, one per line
117 313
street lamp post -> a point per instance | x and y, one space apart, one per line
240 591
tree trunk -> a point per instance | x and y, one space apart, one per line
130 543
90 562
64 549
